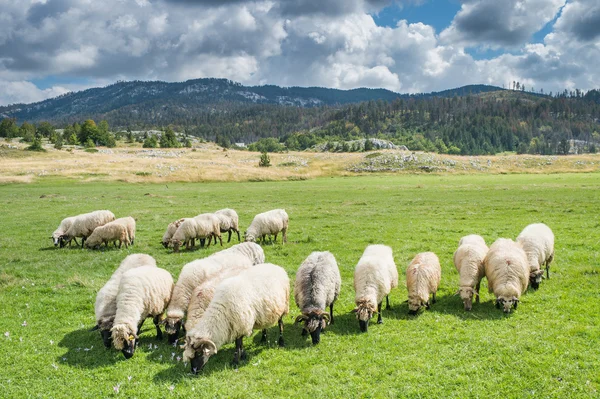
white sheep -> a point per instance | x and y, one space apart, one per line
229 222
317 286
208 226
185 234
253 300
473 239
538 242
61 230
374 277
129 224
105 307
423 277
203 294
267 223
171 229
110 232
143 292
468 260
84 225
507 272
195 273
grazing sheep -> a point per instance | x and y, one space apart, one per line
472 239
193 274
507 272
203 294
468 260
317 286
84 225
537 241
185 234
253 300
423 277
229 221
110 232
271 222
208 226
143 292
105 307
171 229
374 277
61 230
129 224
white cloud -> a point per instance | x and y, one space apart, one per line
26 92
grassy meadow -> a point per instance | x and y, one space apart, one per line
547 348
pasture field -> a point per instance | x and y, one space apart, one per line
547 348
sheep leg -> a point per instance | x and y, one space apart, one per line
477 295
280 340
156 321
139 330
82 241
263 340
387 302
433 300
331 312
284 238
238 234
74 239
208 241
215 237
239 351
379 319
202 242
275 240
229 236
220 240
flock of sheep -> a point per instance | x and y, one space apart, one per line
225 296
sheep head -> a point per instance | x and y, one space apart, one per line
249 237
176 244
466 294
414 304
507 303
172 328
364 311
198 351
535 278
314 322
124 339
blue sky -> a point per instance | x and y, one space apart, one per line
50 47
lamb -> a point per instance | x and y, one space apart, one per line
185 234
229 221
208 226
317 286
271 222
423 277
203 294
374 277
255 299
468 260
537 241
61 230
84 225
106 299
129 224
110 232
171 229
193 274
507 272
143 292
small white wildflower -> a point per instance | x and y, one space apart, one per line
27 305
7 334
149 346
129 378
178 358
51 342
24 323
171 388
64 359
55 366
155 346
20 339
116 388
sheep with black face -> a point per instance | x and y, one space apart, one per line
317 286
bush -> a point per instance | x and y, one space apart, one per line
267 145
58 144
265 161
89 144
36 145
150 142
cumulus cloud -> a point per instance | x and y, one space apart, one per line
291 43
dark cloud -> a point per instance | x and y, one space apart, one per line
52 8
583 21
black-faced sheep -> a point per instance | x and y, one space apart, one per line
61 230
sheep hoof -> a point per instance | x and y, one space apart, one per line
244 356
280 342
379 321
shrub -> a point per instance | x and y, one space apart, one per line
36 145
150 142
265 161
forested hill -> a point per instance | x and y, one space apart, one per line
161 103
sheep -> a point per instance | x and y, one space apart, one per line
271 222
209 225
171 229
84 225
317 286
374 277
61 230
195 273
422 279
203 294
143 292
257 298
507 272
537 241
185 234
110 232
468 260
472 239
229 221
129 224
105 307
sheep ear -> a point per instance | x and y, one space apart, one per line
95 328
354 310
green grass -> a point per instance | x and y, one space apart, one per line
547 348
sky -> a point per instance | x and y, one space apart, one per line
50 47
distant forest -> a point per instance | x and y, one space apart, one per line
485 123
